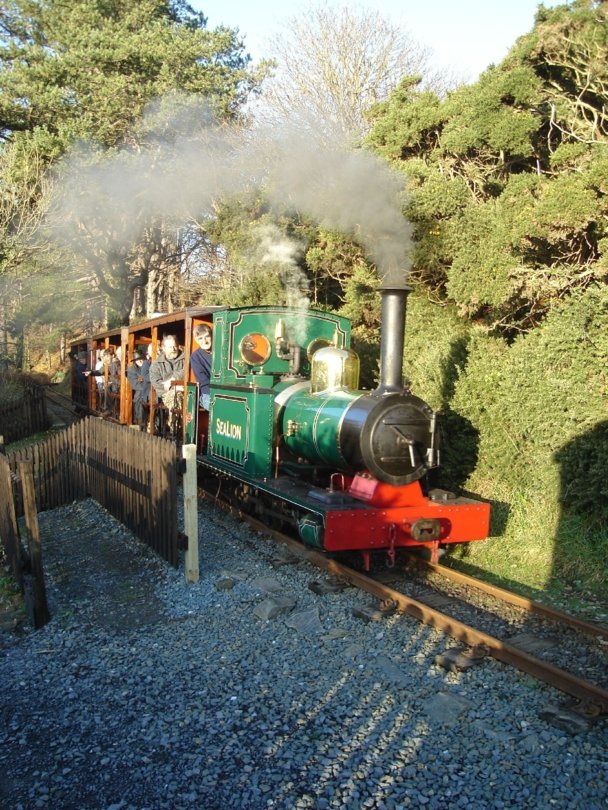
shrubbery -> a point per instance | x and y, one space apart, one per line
540 404
11 387
508 196
525 426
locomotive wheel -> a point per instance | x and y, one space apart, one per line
244 497
277 515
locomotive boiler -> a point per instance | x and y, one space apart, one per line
296 442
389 433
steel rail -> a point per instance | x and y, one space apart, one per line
513 598
58 395
588 693
60 400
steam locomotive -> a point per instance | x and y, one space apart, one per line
291 439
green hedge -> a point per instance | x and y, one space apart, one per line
525 426
541 407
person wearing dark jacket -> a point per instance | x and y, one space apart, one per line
82 372
81 378
165 371
200 362
138 375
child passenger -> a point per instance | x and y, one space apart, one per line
200 362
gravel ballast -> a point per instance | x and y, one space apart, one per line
249 690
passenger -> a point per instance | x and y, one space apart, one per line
167 369
81 378
105 373
114 371
200 362
82 372
99 380
138 375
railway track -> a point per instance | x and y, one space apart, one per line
60 408
490 621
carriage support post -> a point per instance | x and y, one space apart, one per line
190 512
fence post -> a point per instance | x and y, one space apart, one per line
39 608
9 530
190 512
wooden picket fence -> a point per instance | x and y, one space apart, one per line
9 531
25 558
131 474
25 416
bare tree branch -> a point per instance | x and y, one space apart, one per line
332 64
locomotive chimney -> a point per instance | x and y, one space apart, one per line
392 339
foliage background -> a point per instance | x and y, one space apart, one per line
507 192
509 180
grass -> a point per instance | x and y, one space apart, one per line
28 440
542 553
11 599
8 586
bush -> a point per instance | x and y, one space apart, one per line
540 408
11 388
542 395
526 427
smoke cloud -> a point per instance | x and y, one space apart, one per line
185 162
278 253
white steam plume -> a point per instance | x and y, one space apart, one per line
187 162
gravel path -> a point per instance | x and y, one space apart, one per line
248 690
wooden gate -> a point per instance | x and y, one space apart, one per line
131 474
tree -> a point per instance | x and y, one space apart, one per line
332 64
508 175
568 51
90 67
85 72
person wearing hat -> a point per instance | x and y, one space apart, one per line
167 378
81 366
81 378
138 375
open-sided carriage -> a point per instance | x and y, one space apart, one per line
112 398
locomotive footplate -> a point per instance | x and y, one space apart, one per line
336 520
334 497
299 493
